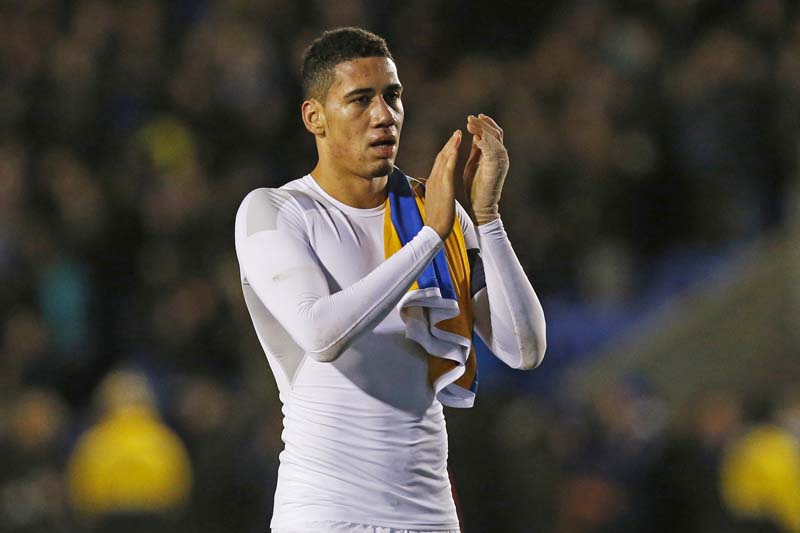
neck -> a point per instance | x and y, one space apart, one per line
356 191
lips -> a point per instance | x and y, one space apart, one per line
384 146
384 141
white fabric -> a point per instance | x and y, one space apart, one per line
365 439
420 311
351 527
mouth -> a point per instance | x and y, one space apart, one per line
384 146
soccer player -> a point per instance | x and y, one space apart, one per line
365 288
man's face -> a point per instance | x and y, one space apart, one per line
363 116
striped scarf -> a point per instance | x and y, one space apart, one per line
437 309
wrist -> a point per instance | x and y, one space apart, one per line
491 229
440 234
486 215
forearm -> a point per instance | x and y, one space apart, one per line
509 316
297 293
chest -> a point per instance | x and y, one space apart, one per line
347 247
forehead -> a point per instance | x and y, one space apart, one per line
364 72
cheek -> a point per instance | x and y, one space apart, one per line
398 118
344 146
340 149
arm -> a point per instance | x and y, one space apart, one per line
277 261
508 315
280 266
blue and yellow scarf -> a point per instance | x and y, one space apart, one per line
437 310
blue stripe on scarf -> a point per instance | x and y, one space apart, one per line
407 223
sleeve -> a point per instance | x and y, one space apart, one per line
508 315
277 260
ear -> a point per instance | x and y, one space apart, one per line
313 116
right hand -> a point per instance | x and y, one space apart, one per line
440 189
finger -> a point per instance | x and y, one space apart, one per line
474 150
476 127
450 150
446 152
474 156
490 130
450 164
443 154
473 124
489 143
490 123
491 126
437 163
455 143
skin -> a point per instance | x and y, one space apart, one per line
486 168
362 106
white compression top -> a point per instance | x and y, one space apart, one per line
365 438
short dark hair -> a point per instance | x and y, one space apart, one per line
334 47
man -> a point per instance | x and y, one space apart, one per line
362 314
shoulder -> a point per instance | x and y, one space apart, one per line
268 208
259 205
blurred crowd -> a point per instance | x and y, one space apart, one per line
133 393
625 461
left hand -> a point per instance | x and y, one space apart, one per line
486 168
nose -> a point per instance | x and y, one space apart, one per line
382 114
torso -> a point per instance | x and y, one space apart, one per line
365 439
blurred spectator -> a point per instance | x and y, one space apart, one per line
33 495
760 474
681 490
211 427
129 472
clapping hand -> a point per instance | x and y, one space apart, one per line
440 189
486 168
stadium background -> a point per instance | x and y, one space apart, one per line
652 199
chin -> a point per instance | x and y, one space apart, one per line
383 168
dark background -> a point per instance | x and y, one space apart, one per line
650 142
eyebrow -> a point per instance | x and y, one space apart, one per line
369 90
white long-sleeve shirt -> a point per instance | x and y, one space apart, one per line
365 438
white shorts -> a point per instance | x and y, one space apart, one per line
328 526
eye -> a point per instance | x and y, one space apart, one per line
392 96
361 100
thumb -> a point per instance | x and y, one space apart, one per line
474 152
474 158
